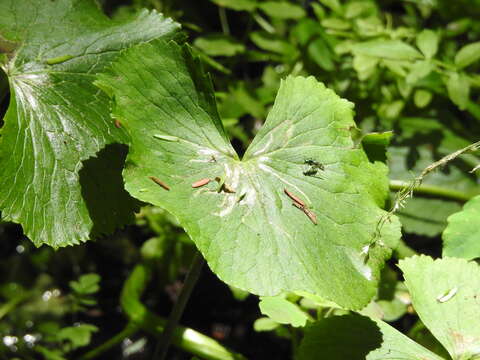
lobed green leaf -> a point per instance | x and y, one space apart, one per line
242 221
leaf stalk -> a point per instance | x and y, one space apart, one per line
185 338
177 311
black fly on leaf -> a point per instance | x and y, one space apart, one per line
312 167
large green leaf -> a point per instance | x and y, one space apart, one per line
461 238
445 295
355 337
248 229
57 118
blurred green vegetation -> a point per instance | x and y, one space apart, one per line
409 66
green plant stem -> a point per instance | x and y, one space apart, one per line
222 13
129 330
185 338
177 311
432 190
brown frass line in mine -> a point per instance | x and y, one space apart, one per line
311 215
294 198
200 183
306 211
159 182
298 206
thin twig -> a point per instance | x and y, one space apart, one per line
405 193
430 190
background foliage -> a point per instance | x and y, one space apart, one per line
410 67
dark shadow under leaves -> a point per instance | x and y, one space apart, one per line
110 206
349 337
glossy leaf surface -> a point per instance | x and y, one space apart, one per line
57 118
445 295
243 221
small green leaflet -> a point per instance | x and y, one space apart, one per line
387 49
249 230
427 42
468 55
458 87
283 311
